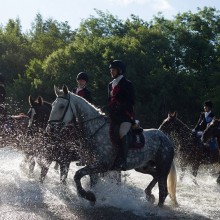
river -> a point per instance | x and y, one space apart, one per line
25 198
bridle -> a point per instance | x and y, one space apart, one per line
60 123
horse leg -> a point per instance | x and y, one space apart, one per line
183 170
87 170
31 163
64 169
93 180
218 179
56 166
44 170
148 191
195 168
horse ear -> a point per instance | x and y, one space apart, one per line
30 100
40 100
175 114
56 90
65 89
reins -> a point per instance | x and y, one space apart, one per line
92 135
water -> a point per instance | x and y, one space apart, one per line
25 198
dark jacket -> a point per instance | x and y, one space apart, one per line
121 102
85 93
202 122
2 93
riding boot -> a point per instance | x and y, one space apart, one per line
124 152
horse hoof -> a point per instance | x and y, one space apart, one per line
150 198
90 196
160 205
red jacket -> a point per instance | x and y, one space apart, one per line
121 101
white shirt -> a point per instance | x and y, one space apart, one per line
116 81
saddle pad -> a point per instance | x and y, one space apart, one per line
138 141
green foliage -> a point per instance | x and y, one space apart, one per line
174 64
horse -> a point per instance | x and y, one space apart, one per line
45 148
213 131
155 158
189 149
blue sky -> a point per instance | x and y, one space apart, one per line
74 11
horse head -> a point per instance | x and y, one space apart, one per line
212 130
169 124
39 112
63 111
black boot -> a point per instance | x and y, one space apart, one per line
124 152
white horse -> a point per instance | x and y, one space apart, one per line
155 158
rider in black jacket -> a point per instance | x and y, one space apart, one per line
205 117
121 99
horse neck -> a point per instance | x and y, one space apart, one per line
89 118
85 111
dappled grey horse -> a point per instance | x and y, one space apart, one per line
155 158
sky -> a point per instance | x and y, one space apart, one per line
73 11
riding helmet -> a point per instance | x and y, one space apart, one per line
208 104
118 64
82 76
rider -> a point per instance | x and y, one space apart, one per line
121 99
205 117
81 89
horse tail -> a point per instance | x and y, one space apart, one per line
171 183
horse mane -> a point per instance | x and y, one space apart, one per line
90 104
47 104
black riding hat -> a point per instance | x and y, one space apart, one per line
82 76
208 104
118 64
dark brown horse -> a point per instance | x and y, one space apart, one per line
190 151
47 149
213 131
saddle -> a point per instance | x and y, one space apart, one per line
136 137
